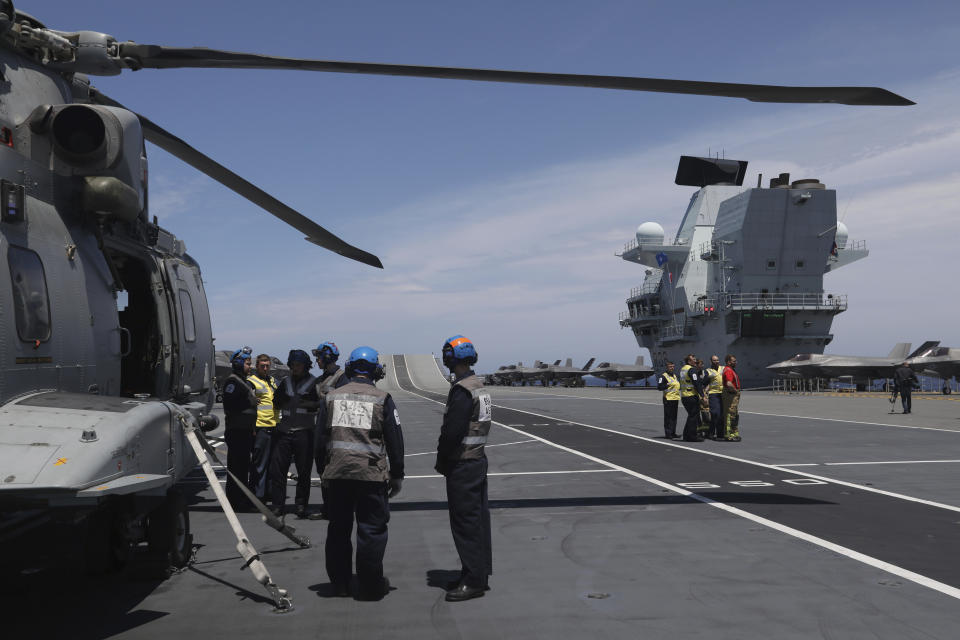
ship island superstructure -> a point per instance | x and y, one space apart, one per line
744 274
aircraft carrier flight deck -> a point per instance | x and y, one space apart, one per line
831 519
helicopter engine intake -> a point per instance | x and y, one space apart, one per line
105 146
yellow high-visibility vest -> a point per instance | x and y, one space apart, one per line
672 392
716 380
263 389
686 387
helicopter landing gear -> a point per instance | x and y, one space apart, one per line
106 541
168 531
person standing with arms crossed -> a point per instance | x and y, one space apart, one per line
667 383
462 461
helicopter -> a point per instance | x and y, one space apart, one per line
107 356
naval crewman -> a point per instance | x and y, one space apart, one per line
331 377
240 416
362 469
691 390
731 401
667 383
905 379
715 398
461 459
264 386
296 400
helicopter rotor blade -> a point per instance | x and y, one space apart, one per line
180 149
138 56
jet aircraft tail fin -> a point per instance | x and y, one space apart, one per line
589 364
929 344
569 362
557 363
639 361
900 351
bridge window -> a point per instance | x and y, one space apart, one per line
31 303
186 314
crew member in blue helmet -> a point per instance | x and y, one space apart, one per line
331 377
297 401
461 459
363 467
240 417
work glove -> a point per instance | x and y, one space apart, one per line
395 485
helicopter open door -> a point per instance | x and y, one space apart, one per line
194 362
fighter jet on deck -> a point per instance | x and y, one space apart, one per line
622 373
567 375
942 361
816 365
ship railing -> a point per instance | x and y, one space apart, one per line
639 313
650 286
785 301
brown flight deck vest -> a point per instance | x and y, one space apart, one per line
327 385
480 419
354 434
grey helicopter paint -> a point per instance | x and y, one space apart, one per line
107 358
744 274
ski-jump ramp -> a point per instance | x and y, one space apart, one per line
424 371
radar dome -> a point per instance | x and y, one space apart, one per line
841 238
650 233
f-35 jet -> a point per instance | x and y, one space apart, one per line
942 361
567 375
822 365
622 373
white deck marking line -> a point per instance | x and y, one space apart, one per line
664 443
835 464
796 533
801 464
526 473
755 413
826 544
486 446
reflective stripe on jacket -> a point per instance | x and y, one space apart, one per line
672 392
328 384
686 386
480 419
294 417
716 379
354 434
263 389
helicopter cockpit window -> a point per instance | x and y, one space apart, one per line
30 301
186 311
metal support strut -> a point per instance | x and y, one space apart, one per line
244 546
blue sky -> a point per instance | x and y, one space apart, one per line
497 209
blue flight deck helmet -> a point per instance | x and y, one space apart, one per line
299 355
366 361
238 357
458 349
326 353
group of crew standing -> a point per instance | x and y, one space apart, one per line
711 397
346 426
